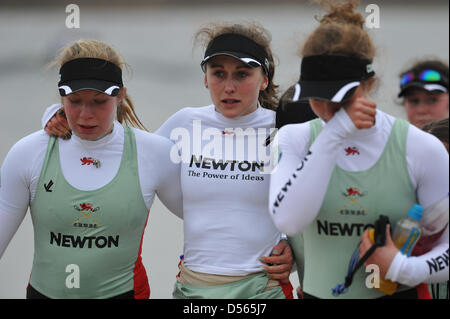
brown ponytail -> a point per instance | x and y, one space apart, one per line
341 31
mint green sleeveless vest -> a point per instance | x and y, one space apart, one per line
352 203
87 243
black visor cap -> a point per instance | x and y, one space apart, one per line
239 47
332 78
90 74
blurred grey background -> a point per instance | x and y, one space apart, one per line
156 39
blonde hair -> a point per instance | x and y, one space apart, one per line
254 31
100 50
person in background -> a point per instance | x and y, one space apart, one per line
424 89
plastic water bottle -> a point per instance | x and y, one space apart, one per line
406 234
437 218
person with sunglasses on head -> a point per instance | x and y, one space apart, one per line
90 195
232 249
424 89
337 174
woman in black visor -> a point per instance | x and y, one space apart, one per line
90 195
227 229
338 173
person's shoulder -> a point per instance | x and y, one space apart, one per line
151 146
298 129
29 149
149 139
422 141
32 141
193 111
153 149
184 117
295 135
417 139
387 118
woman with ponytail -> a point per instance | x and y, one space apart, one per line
339 173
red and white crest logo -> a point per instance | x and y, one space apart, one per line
352 206
89 161
87 211
353 192
351 151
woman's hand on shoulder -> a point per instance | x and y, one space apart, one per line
58 125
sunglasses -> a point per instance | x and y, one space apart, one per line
424 76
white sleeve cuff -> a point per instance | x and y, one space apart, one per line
394 270
341 124
48 113
431 267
